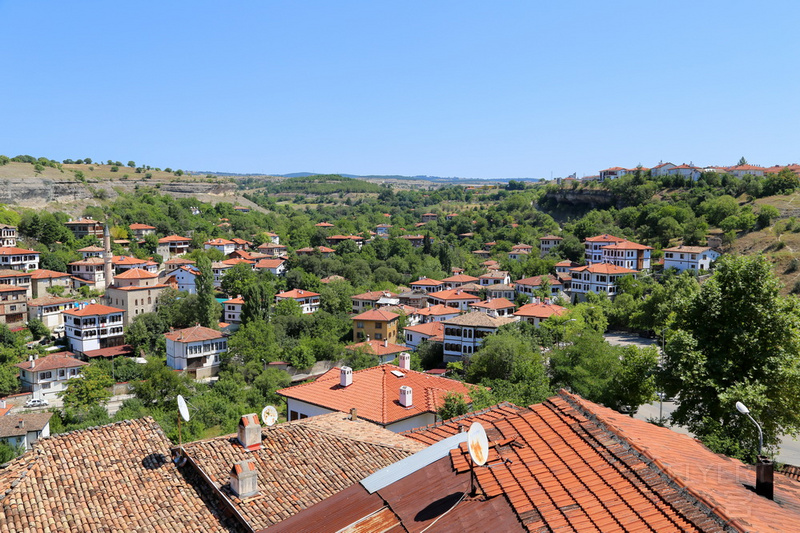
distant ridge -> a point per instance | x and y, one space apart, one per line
435 179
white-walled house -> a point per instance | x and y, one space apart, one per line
536 312
309 301
698 258
223 245
23 430
49 310
593 247
93 327
8 235
628 254
464 334
455 298
18 258
597 279
196 350
185 277
393 397
46 377
275 266
430 331
527 286
547 243
232 310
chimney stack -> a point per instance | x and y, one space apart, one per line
249 433
385 343
405 360
244 479
764 477
353 414
406 399
345 376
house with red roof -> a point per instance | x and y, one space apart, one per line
527 286
697 258
520 252
82 227
565 464
597 278
135 291
547 243
127 262
232 310
223 245
8 235
275 266
429 331
43 279
91 251
628 254
426 285
18 278
196 350
373 300
94 327
49 309
457 280
454 298
438 313
271 249
498 290
324 251
494 307
494 277
173 246
686 171
15 258
140 231
185 278
393 397
376 324
429 217
309 301
90 271
464 334
13 305
384 351
538 311
593 247
46 377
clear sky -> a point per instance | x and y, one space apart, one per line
447 88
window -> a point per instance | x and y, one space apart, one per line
359 324
378 336
45 375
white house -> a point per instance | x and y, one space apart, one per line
185 278
91 251
427 285
537 311
698 258
93 327
438 313
597 278
18 258
196 350
275 266
464 334
494 277
232 310
17 278
46 377
123 263
547 243
223 245
90 270
527 286
309 301
627 254
23 430
49 309
661 169
373 300
686 171
430 331
8 235
494 307
172 246
520 252
139 231
455 298
593 247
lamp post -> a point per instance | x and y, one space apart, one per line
745 411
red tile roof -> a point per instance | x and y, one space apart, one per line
173 238
218 242
460 278
604 268
136 226
269 263
49 300
536 281
495 303
93 310
551 238
13 250
238 300
688 249
52 362
91 249
296 293
427 282
454 295
431 329
447 428
126 260
377 315
193 334
136 273
604 238
117 477
540 310
111 351
438 310
379 348
375 393
627 245
374 296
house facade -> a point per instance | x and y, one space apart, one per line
463 335
309 301
697 258
50 309
46 377
13 306
15 258
173 246
232 310
85 226
416 335
196 350
135 291
94 327
376 324
8 235
547 243
597 278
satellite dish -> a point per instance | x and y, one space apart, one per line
478 444
183 408
269 415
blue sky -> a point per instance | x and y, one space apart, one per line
470 89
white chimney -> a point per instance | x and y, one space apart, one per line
405 396
345 376
385 343
244 479
405 360
249 433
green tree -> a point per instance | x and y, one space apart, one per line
236 279
146 332
736 340
90 389
454 405
37 328
208 309
160 385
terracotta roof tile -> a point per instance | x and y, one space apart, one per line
375 393
136 273
377 315
13 250
52 362
496 303
453 294
110 478
92 310
193 334
381 348
301 463
296 293
540 310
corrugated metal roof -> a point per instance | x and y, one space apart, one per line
386 476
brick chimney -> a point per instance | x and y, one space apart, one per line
406 399
764 477
249 433
244 479
345 376
405 360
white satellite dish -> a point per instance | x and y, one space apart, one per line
183 408
269 415
478 444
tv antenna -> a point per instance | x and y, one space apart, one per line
478 446
183 409
269 415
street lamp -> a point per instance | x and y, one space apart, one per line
745 411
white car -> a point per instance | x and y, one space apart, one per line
36 402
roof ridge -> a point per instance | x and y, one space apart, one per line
667 476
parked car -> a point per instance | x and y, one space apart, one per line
36 402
